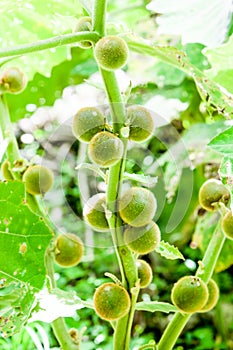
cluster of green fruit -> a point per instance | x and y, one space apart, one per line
214 195
136 207
190 294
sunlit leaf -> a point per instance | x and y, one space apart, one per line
169 251
24 238
153 306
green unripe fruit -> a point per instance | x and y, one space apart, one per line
87 122
227 225
94 212
213 291
111 301
84 24
68 250
137 206
144 273
12 80
141 124
189 294
105 149
144 239
38 179
211 193
111 52
5 169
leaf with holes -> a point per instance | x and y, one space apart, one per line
24 238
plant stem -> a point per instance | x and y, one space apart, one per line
56 41
205 271
99 13
58 325
12 150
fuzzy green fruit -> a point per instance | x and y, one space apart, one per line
111 52
213 291
68 250
105 149
140 123
227 225
144 273
111 301
38 179
84 24
12 80
211 193
137 206
87 122
94 212
189 294
142 240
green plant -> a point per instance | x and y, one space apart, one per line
141 124
189 94
111 52
143 239
68 250
227 225
213 192
111 301
94 212
137 206
12 80
38 179
87 122
105 149
189 294
144 273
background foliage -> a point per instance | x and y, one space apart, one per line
188 88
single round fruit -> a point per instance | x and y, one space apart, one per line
227 225
87 122
189 294
68 250
84 24
141 124
111 301
111 52
213 291
211 193
144 239
5 169
38 179
144 273
94 212
105 149
12 80
137 206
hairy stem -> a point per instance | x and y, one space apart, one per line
12 150
56 41
99 13
58 325
205 271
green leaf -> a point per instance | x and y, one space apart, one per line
147 180
204 229
31 20
210 92
24 238
169 251
223 142
153 306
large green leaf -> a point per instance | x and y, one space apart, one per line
210 92
23 22
223 142
23 240
204 230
